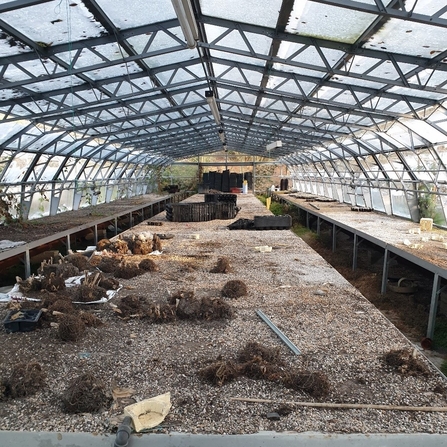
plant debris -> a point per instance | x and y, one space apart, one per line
148 265
119 246
191 308
234 289
63 305
316 384
71 328
161 312
86 394
222 266
220 372
253 350
128 271
90 320
26 379
53 283
156 243
78 260
261 363
59 269
103 244
107 264
406 361
132 305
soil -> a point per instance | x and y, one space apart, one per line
35 229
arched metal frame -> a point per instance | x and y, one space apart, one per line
96 95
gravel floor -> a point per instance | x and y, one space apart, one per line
339 333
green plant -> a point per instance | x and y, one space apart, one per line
42 199
426 202
10 208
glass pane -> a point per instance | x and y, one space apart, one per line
328 22
253 11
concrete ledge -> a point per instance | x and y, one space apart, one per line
263 439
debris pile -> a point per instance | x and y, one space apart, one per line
407 362
234 289
86 394
182 305
260 363
222 266
25 380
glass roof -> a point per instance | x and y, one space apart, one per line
117 81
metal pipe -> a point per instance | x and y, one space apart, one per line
123 433
279 333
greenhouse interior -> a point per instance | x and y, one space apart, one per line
331 114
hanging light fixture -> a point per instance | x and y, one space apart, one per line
185 15
222 135
211 100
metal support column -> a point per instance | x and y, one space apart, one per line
386 265
334 238
307 220
318 225
116 226
130 220
27 264
95 233
355 252
68 243
433 306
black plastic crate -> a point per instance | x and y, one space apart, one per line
24 320
273 222
200 212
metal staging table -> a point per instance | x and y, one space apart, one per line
389 249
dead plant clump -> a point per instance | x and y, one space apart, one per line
148 265
95 260
60 269
132 305
128 271
107 264
156 243
259 369
261 363
220 372
234 289
316 384
30 284
181 295
253 350
64 306
71 328
78 260
188 307
53 282
222 266
49 298
109 283
86 293
161 313
26 379
86 394
119 246
215 309
103 244
406 361
90 320
141 247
